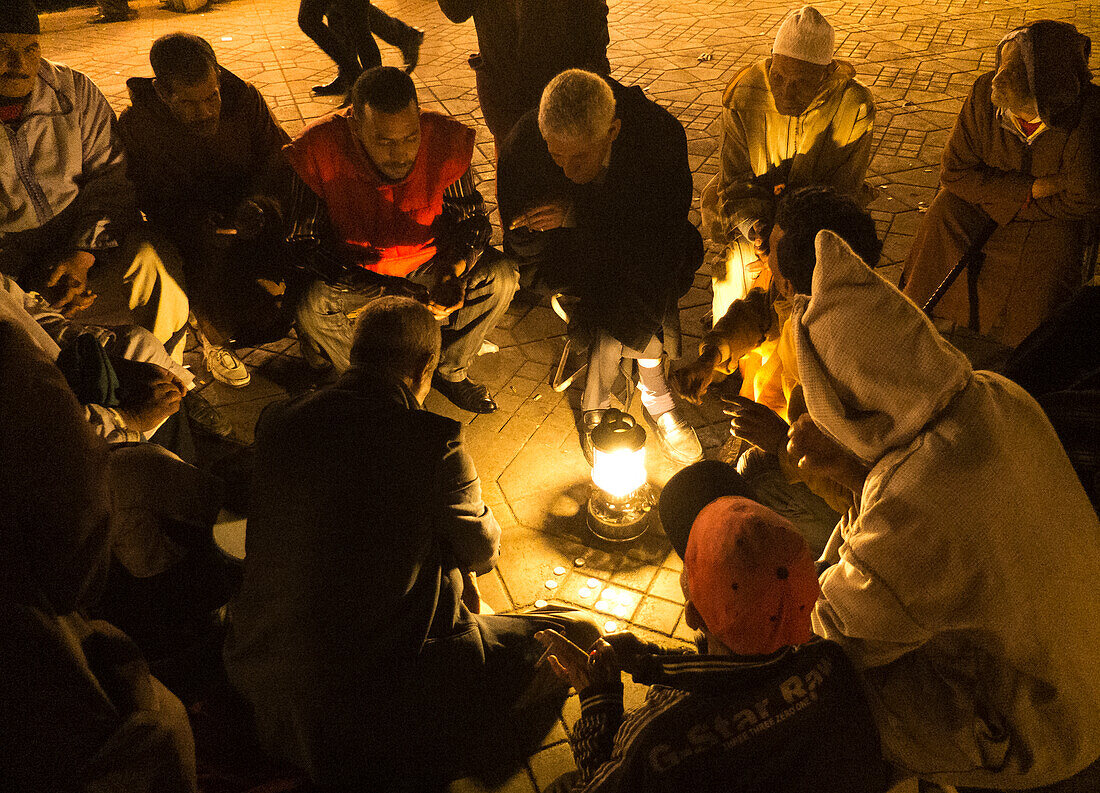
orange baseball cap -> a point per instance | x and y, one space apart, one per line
751 575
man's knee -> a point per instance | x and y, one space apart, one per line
496 275
955 217
314 310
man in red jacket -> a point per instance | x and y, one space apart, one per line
407 219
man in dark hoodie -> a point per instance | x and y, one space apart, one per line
204 154
78 707
523 45
1021 163
768 707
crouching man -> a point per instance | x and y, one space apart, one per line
406 217
594 194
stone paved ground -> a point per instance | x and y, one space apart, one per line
918 58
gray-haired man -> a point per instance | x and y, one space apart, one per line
594 194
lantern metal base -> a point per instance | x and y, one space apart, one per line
619 520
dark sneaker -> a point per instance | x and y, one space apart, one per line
466 394
410 50
677 438
338 87
205 417
590 419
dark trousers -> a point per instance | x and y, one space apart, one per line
229 287
348 38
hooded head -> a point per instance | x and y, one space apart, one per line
54 500
874 370
1055 60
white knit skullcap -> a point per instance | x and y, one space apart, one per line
806 35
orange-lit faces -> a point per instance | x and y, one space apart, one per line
197 106
19 57
1011 90
794 83
582 159
391 140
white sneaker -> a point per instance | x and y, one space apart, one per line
225 367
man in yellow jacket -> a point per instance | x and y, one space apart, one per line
797 119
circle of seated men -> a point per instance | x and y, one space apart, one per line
949 626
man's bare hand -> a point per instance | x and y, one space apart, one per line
692 381
582 670
817 453
628 650
1046 186
471 595
759 239
542 218
151 394
758 424
446 297
67 284
248 220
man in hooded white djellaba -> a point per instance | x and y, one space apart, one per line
965 583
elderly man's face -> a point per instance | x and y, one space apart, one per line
582 159
197 106
19 57
392 140
794 83
1010 86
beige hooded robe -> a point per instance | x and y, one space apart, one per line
967 583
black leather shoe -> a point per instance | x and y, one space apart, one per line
590 419
338 87
466 394
410 50
677 438
204 417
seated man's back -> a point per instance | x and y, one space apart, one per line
351 636
793 721
964 582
